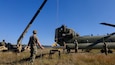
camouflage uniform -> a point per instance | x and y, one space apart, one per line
33 41
3 43
76 45
106 48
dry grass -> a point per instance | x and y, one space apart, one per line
9 58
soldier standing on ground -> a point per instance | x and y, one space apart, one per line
33 42
106 48
76 45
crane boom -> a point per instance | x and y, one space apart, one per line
29 24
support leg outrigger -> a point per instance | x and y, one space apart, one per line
19 48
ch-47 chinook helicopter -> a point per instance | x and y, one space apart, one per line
64 35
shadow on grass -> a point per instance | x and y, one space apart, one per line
22 60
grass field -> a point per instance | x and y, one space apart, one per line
10 58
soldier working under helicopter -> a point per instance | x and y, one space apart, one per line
76 45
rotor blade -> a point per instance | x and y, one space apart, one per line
100 40
108 24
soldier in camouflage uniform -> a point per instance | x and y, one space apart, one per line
106 48
3 43
76 45
33 42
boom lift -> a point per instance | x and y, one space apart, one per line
19 46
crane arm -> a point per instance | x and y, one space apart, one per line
29 24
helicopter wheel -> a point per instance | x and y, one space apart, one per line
88 50
68 50
102 51
110 51
76 50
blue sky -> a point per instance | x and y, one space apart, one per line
83 16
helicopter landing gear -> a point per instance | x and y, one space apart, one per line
68 50
76 50
109 51
105 49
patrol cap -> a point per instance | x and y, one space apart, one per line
34 32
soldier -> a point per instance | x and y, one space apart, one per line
33 42
106 48
3 43
76 45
